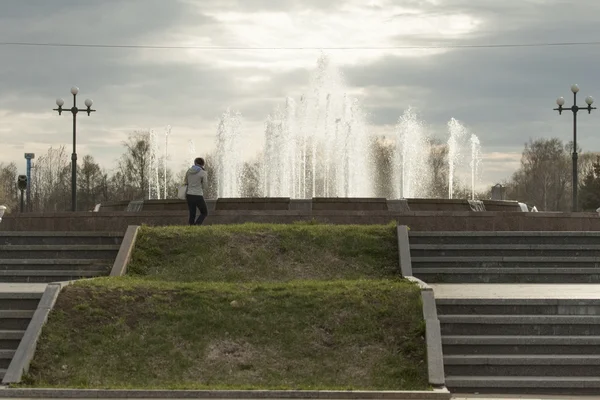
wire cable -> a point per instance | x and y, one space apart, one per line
256 48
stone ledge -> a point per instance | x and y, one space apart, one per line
441 394
119 267
19 365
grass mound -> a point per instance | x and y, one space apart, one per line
266 253
134 333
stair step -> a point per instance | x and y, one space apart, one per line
12 335
508 275
66 261
486 250
526 359
516 271
493 246
66 265
520 345
543 325
34 273
518 306
522 340
497 234
521 319
59 251
16 314
63 247
58 238
506 259
9 340
558 238
544 382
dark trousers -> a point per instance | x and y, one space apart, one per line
193 203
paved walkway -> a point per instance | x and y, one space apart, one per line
22 287
521 397
515 291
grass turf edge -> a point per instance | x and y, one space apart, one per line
305 335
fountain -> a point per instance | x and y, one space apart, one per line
2 211
475 161
412 148
318 147
153 181
457 132
167 133
229 153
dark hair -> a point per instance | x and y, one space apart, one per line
199 161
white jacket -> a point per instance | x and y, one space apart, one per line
195 178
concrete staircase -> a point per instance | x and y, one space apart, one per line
529 344
521 345
28 260
506 257
16 311
42 257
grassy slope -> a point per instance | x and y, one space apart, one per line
255 252
247 306
303 335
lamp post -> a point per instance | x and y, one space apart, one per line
575 109
74 110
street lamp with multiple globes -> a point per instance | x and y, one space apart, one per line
575 109
74 110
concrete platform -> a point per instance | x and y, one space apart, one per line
519 397
516 291
22 287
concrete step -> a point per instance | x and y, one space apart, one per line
55 265
523 384
581 238
508 275
51 276
522 365
19 301
518 306
543 325
15 319
59 252
519 345
503 250
9 340
505 262
60 238
5 357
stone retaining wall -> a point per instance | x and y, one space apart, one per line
416 220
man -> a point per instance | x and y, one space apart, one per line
195 179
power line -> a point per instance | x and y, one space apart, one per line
257 48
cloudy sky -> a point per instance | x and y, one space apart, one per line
503 94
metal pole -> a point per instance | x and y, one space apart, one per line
575 180
74 157
29 184
22 201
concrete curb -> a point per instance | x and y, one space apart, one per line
441 394
120 265
404 251
26 349
435 356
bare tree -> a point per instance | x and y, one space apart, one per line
51 182
9 194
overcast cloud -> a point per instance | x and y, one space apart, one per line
504 95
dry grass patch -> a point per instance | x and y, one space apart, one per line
266 253
130 333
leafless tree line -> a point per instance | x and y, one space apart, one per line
543 178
